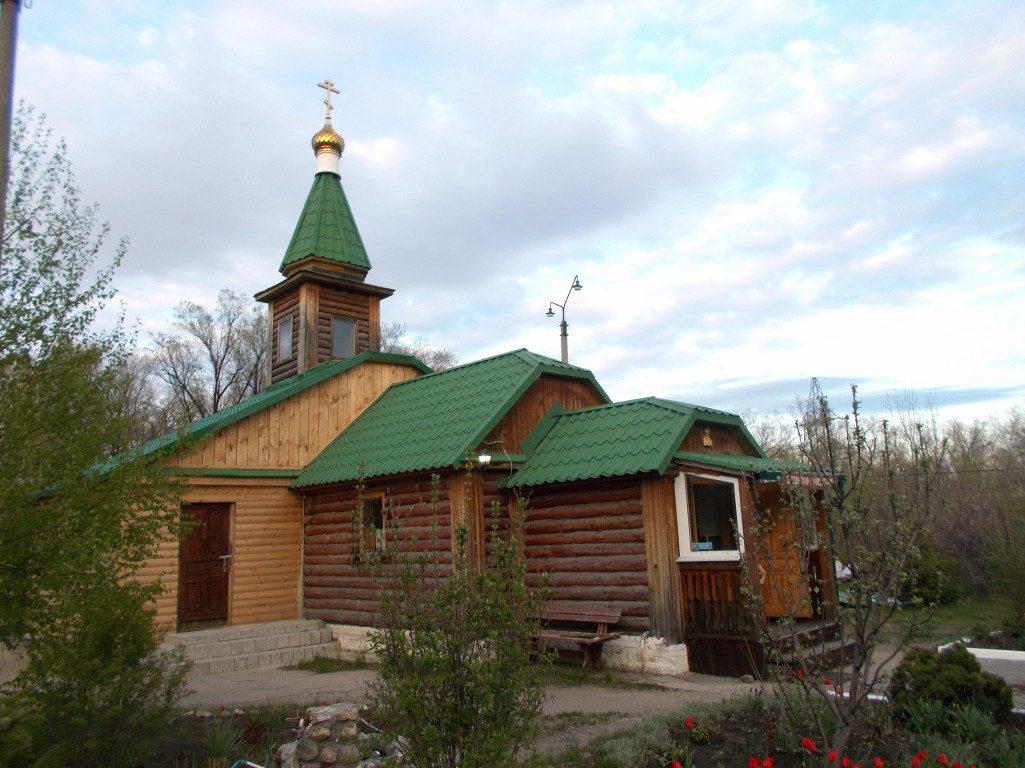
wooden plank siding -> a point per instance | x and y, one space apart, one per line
509 434
724 441
662 547
266 531
289 434
590 541
338 586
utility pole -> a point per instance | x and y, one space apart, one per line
9 10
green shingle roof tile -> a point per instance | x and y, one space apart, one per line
430 422
275 393
326 228
617 440
762 466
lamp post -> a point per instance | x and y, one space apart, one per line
576 286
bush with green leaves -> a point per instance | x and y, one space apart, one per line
98 690
456 676
953 677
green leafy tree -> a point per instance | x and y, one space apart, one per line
456 652
75 523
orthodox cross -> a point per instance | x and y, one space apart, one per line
329 87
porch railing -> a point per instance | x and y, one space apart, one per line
712 602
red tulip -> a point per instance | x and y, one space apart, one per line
942 759
689 722
767 762
846 762
831 757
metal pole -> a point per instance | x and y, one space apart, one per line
8 49
565 340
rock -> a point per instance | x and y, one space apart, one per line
319 731
747 678
348 754
346 729
328 754
286 754
340 711
308 749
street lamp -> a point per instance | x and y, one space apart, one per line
576 286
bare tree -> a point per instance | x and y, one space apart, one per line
395 338
878 484
216 361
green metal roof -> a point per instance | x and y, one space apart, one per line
765 468
616 440
431 422
273 394
326 228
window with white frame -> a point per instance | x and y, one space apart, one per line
708 517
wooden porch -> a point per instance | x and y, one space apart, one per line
724 638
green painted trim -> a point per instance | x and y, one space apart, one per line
283 474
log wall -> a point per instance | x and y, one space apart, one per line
361 309
289 434
590 541
286 305
338 586
266 531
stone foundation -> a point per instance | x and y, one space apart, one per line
630 653
353 642
645 654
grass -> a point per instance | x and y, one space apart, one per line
322 665
966 617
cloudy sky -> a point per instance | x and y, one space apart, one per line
752 192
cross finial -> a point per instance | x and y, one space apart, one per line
329 87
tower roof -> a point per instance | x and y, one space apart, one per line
326 229
326 233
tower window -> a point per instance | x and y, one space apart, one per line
285 339
343 337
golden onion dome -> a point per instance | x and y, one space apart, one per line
327 139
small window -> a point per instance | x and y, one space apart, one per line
708 514
371 526
343 337
285 339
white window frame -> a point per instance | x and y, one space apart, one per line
683 521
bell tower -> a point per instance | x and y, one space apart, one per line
323 309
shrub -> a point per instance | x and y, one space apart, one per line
456 677
98 691
953 677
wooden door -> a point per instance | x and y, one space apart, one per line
204 565
781 566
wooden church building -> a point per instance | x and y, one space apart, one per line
647 506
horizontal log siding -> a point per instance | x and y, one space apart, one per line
337 587
335 302
590 541
289 434
284 306
266 540
521 419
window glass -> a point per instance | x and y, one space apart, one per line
285 339
708 517
343 337
372 527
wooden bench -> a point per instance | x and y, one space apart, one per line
587 627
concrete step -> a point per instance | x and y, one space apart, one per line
254 646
